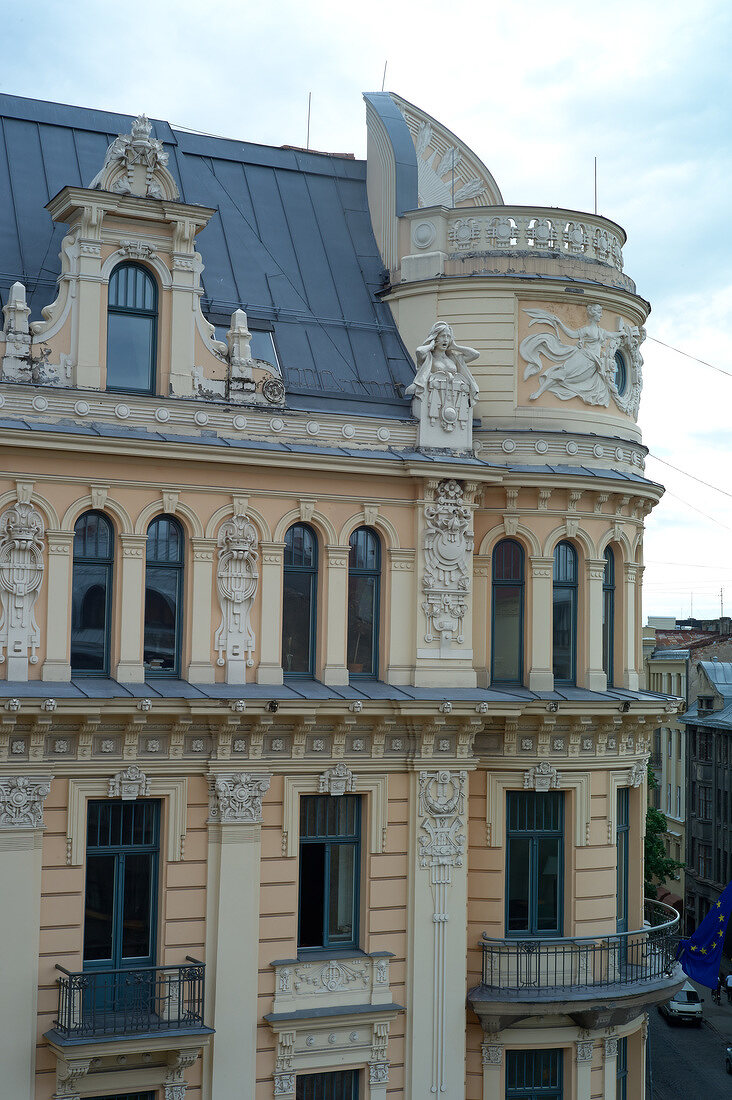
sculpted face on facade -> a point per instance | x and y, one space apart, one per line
444 390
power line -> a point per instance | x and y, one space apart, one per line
700 480
686 355
705 514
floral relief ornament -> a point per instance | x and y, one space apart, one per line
237 580
448 544
441 806
21 801
21 573
239 797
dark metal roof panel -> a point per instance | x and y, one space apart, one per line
291 241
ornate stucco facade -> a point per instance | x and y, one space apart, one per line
439 394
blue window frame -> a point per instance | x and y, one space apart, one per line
507 613
608 615
299 601
330 865
564 622
623 857
341 1085
132 321
534 1074
91 594
364 582
163 597
120 900
534 863
621 1087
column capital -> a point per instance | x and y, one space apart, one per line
237 797
21 801
541 566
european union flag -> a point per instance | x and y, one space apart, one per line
701 954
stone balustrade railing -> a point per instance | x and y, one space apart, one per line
502 229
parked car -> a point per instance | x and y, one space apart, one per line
686 1007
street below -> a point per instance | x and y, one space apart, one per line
688 1062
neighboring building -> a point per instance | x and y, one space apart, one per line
709 768
322 704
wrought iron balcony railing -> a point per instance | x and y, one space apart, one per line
93 1004
620 962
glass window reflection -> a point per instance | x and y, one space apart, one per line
163 597
91 594
364 575
298 601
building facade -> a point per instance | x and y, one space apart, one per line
321 520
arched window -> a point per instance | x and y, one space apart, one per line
163 597
564 633
364 575
299 601
91 593
608 615
621 372
132 317
507 613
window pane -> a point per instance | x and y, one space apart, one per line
364 549
563 633
518 884
508 561
300 547
162 586
548 853
92 537
565 563
341 1085
312 895
297 622
507 640
342 893
136 906
99 907
362 614
608 623
164 542
89 609
130 352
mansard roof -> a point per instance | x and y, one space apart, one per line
291 243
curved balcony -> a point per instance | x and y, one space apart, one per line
598 981
491 239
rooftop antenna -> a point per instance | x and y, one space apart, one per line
383 79
596 185
307 144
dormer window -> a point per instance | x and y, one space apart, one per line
706 702
132 317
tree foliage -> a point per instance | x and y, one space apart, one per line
659 867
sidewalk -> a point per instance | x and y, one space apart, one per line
718 1017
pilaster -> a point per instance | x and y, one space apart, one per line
541 675
57 665
335 671
232 931
132 608
270 649
583 1057
21 838
596 679
201 670
437 924
400 620
630 675
610 1069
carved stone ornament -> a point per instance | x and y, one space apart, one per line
543 777
441 806
611 1048
284 1084
378 1073
130 784
448 544
239 797
491 1054
587 368
337 780
584 1050
17 365
21 573
21 801
136 164
237 579
444 391
638 773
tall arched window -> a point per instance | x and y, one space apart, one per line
608 615
564 633
299 601
163 597
364 575
132 318
507 613
91 593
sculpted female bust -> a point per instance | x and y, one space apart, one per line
444 390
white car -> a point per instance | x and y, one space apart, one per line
685 1006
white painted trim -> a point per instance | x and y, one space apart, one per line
513 779
376 786
81 790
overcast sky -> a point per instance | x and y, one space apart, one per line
537 90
